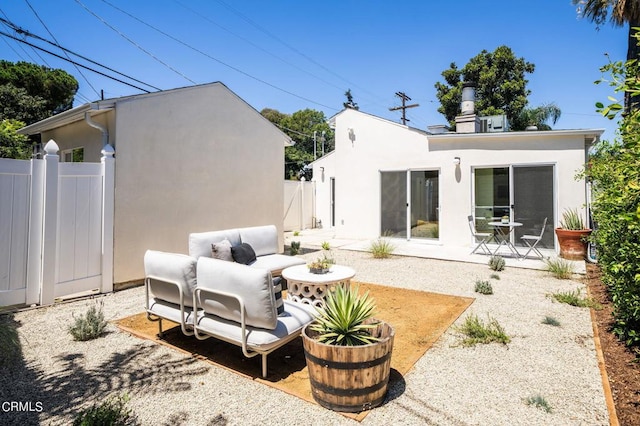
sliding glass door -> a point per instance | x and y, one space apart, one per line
393 196
533 202
424 204
410 204
523 193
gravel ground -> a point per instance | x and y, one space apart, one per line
449 385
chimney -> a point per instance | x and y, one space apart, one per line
468 121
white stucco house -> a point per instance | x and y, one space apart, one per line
188 160
385 178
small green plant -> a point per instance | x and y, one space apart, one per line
571 220
10 348
326 246
89 326
381 248
341 321
575 298
476 331
495 276
560 268
539 401
112 412
294 249
496 263
296 233
483 287
551 321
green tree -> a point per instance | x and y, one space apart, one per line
618 12
301 127
12 144
31 92
614 170
538 117
499 77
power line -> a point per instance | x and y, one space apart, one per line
134 43
238 70
26 33
73 62
255 25
54 38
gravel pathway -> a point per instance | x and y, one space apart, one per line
449 385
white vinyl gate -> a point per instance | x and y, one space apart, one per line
56 228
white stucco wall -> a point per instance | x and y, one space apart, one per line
191 160
379 145
81 135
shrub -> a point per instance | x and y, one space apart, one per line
495 276
89 326
574 298
496 263
484 287
551 321
294 248
539 401
381 248
614 170
111 412
10 348
326 246
476 331
560 268
296 233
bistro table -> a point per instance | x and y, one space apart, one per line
306 287
503 235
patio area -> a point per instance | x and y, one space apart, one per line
314 238
449 385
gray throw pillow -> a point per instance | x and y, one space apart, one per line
243 253
222 250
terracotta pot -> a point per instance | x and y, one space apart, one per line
349 378
573 243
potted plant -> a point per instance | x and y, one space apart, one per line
348 352
322 265
572 235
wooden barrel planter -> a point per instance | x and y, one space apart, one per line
349 378
573 243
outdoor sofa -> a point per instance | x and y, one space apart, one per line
234 302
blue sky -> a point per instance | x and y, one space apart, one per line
291 55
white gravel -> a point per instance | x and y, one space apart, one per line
449 385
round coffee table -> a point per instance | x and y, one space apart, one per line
305 287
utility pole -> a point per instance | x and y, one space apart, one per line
404 106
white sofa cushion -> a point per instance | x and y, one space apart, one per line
174 267
295 317
277 262
253 285
200 242
263 239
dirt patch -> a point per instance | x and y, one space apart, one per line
622 364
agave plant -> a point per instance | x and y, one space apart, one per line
341 321
572 220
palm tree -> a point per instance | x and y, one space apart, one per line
537 118
618 12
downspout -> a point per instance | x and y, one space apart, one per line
96 125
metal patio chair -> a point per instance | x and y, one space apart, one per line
532 241
484 237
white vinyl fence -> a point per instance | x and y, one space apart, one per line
299 205
56 228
